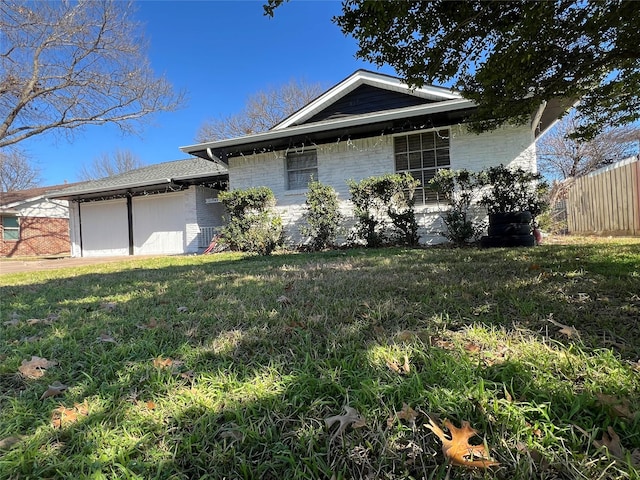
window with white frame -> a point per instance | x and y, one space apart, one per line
301 168
422 155
10 228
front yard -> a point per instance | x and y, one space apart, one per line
228 366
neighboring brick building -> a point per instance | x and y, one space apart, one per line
32 224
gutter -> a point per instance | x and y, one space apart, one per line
445 106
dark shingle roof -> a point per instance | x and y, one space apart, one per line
191 169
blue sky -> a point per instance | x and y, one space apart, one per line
219 52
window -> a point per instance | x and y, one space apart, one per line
10 228
301 167
422 155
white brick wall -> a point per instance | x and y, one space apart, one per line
358 159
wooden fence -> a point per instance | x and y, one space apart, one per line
606 202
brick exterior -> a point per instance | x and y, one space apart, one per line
38 236
358 159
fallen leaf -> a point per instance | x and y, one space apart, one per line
472 347
619 407
7 443
160 362
36 367
407 414
56 388
611 441
457 448
351 417
106 338
405 336
108 306
65 416
150 405
182 309
31 339
283 300
403 369
565 329
12 323
153 323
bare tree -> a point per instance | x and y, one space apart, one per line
108 165
562 156
68 64
262 111
16 171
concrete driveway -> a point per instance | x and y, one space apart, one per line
36 265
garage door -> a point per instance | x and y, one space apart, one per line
158 224
105 229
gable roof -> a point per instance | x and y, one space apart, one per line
13 199
162 175
363 104
347 97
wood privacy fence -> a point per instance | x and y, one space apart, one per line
606 202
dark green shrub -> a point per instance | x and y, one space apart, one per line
322 216
384 208
513 190
251 226
460 188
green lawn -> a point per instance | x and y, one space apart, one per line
227 366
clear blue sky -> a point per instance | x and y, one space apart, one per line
219 52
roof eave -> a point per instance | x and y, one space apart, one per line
358 120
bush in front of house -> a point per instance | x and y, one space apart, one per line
384 209
460 188
251 224
322 215
510 190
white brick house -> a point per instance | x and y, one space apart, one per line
369 125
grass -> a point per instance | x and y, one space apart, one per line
226 366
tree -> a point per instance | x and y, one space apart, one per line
262 111
509 57
562 156
16 171
108 165
69 64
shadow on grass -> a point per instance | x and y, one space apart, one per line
273 346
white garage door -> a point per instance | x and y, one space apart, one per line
105 228
158 224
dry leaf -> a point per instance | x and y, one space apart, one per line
405 336
564 329
64 416
457 448
106 338
56 388
472 347
403 369
182 309
619 407
611 441
150 405
108 306
283 300
160 362
351 417
153 323
36 367
12 323
7 443
407 413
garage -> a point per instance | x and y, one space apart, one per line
158 224
105 230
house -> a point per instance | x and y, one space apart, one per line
372 124
167 208
33 224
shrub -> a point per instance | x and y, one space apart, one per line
322 216
460 189
384 208
251 224
513 190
